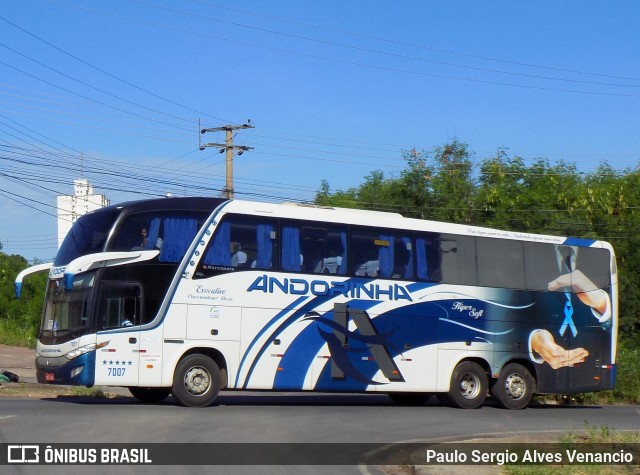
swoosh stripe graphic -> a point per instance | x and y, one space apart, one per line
470 327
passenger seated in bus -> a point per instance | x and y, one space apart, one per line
239 258
403 268
126 322
144 242
368 269
329 265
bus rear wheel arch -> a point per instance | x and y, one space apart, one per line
514 387
196 381
469 386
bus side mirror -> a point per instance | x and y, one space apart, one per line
28 271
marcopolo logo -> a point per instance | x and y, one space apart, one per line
350 288
57 271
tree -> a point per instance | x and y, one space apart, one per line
453 186
19 318
539 197
435 185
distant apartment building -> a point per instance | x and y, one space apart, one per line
71 207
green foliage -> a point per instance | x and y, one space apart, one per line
590 435
19 319
504 192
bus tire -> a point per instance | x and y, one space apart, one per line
151 395
196 381
409 399
514 388
469 384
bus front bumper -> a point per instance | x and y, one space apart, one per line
60 370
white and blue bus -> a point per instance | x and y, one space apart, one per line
188 296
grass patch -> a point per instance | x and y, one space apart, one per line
83 391
38 391
591 435
17 333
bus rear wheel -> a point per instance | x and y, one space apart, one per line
514 388
469 384
151 395
196 382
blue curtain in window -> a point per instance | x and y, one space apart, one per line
152 234
291 248
178 235
219 252
408 268
344 265
385 256
265 251
421 259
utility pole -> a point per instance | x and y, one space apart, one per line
230 149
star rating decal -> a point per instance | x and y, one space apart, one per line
117 363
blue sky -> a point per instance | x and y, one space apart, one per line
335 90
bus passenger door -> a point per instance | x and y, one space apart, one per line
119 317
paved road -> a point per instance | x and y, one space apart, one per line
242 417
285 418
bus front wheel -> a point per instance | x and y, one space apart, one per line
514 388
469 385
196 382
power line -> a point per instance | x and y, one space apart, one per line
106 72
414 45
82 96
386 53
354 63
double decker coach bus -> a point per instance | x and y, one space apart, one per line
188 296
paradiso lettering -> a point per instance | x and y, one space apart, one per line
351 289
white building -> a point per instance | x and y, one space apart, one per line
70 208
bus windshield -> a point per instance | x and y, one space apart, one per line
87 236
66 311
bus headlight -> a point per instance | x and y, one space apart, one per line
80 351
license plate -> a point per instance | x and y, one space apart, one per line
49 377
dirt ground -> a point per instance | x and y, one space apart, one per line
21 361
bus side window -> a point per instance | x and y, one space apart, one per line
542 265
364 252
325 249
120 305
595 263
428 258
404 258
458 259
255 238
265 246
500 263
291 253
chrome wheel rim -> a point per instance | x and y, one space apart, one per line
469 386
515 386
197 381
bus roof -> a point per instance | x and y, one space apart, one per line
309 212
